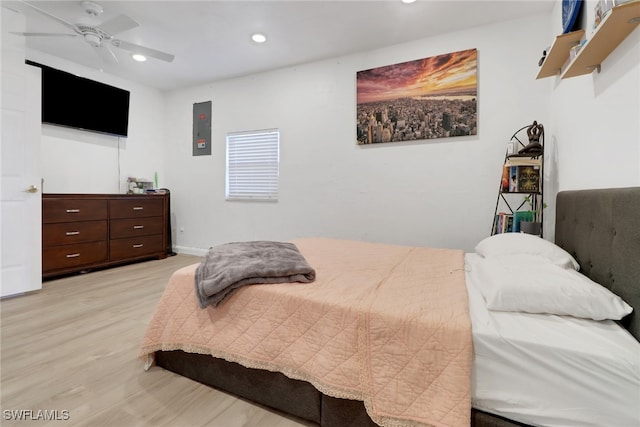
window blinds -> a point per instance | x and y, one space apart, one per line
252 165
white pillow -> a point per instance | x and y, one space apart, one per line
521 243
532 284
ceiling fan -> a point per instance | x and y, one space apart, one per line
100 36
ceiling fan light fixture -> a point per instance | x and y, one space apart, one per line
138 57
93 39
259 38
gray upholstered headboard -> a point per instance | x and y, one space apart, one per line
601 229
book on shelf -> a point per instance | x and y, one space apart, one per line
528 180
505 178
508 224
513 178
503 223
523 161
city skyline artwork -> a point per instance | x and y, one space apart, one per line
434 97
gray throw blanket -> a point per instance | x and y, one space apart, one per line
227 267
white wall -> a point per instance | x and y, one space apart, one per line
438 192
76 161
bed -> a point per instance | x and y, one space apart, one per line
482 381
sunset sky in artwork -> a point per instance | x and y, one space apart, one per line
449 74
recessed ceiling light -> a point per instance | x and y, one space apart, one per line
138 57
259 38
408 1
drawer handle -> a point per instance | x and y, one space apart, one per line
139 245
73 210
72 233
73 255
138 227
138 208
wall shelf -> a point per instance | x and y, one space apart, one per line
558 53
613 29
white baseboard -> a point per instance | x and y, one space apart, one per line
190 251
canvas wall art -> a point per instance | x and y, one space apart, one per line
428 98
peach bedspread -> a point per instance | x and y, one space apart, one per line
385 324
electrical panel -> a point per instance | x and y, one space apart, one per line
202 128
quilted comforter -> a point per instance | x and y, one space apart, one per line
384 324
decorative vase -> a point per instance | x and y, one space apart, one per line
531 227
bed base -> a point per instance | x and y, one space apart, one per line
277 391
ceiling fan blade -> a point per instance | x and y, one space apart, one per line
107 54
131 47
54 17
118 24
46 34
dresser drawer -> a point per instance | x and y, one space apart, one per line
135 246
130 227
69 210
136 208
60 257
69 233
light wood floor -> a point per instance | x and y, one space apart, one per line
73 347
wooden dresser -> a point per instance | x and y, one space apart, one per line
85 231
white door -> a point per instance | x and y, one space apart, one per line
21 201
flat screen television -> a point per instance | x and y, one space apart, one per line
77 102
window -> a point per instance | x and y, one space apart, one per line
252 165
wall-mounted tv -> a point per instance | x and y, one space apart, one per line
76 102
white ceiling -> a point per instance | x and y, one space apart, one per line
211 39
